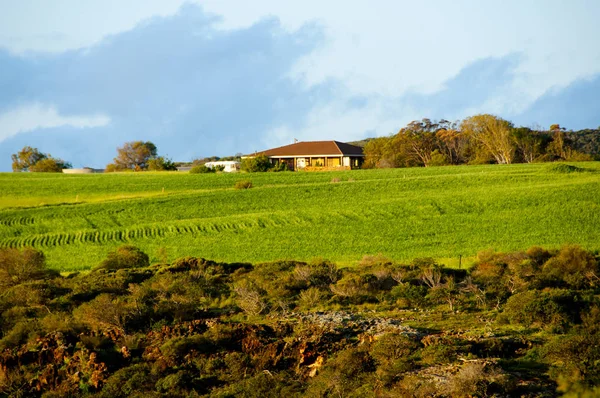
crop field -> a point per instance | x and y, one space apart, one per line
441 212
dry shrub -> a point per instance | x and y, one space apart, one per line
20 265
479 379
249 298
310 298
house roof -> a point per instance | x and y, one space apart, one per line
314 148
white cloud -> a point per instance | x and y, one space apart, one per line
34 116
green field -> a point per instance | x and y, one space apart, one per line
442 212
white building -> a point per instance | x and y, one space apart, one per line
230 166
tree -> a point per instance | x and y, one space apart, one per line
530 143
31 159
421 139
133 155
50 165
493 134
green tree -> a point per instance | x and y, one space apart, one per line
530 143
134 155
31 159
50 165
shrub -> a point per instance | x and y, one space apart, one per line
310 298
573 266
552 307
104 313
249 298
256 164
243 184
343 374
481 380
393 354
161 164
20 265
125 256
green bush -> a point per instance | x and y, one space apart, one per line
161 164
243 184
125 256
550 307
201 169
260 163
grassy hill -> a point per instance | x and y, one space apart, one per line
442 212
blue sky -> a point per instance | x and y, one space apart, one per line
217 77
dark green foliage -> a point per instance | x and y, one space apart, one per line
161 163
549 307
202 169
196 327
260 163
563 168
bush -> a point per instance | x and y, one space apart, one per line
20 265
161 164
201 169
310 298
480 380
572 266
243 184
125 256
256 164
552 307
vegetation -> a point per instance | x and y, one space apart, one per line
516 324
442 212
261 163
31 159
203 169
478 139
138 156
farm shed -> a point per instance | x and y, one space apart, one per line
316 155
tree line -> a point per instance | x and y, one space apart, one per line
479 139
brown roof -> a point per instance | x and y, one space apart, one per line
314 148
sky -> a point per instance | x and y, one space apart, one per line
219 77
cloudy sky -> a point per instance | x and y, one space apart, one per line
217 77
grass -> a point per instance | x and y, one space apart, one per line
441 212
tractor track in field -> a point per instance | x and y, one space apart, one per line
154 231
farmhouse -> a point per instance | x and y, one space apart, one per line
316 155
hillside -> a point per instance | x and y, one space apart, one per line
442 212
